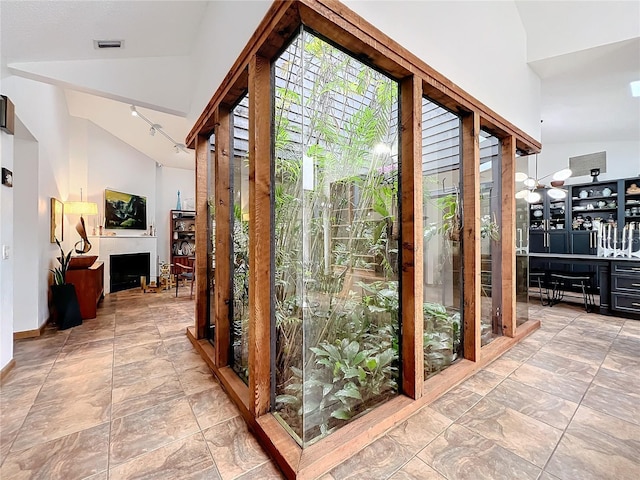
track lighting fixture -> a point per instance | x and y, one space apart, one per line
154 127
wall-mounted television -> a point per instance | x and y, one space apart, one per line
124 210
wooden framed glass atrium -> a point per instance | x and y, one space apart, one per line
355 231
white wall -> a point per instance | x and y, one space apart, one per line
559 27
6 265
115 165
25 300
42 110
224 32
623 158
484 51
170 180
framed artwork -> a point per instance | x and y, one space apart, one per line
7 177
57 225
124 210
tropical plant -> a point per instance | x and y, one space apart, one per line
441 337
60 273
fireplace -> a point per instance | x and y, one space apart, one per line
126 269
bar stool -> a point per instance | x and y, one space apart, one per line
540 279
561 281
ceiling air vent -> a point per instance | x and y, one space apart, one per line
99 44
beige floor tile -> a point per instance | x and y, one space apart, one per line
597 446
455 402
614 402
62 417
81 384
381 459
196 379
212 406
266 471
131 373
417 431
416 469
523 435
502 366
144 431
622 382
139 353
78 455
461 454
234 449
535 403
181 459
563 366
622 363
562 386
482 382
146 393
133 339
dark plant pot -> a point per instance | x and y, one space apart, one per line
65 302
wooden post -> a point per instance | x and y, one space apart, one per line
224 207
259 235
202 223
507 237
471 235
412 233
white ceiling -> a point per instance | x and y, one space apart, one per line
585 94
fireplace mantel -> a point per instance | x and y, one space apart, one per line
106 245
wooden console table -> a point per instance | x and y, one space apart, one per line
89 283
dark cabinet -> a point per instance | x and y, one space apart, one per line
548 242
625 286
584 242
547 225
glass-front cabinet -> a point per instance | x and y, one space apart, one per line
548 224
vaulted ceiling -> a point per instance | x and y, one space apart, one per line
584 61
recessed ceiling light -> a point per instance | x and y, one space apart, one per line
100 44
635 88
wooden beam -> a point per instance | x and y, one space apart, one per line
412 234
508 236
223 209
202 233
260 265
471 235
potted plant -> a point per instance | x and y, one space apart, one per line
63 294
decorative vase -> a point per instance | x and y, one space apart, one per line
65 302
179 203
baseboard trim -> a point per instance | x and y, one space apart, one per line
7 368
30 333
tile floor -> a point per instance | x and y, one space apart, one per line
124 396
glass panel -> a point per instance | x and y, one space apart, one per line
211 247
490 208
522 248
336 238
240 249
442 223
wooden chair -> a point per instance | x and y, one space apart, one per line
185 273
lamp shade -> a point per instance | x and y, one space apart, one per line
80 208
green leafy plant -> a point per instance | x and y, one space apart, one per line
441 337
60 273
